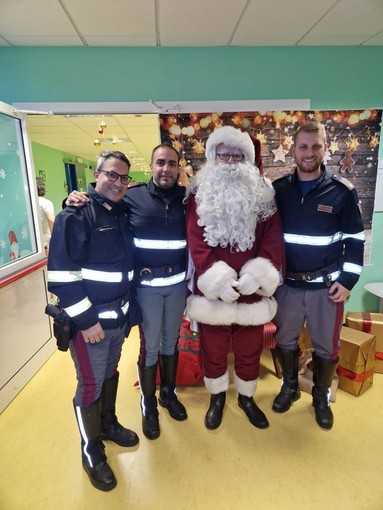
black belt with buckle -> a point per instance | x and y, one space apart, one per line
313 275
115 305
148 273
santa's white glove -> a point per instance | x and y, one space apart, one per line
227 293
247 284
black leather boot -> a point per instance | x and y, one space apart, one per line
110 428
290 392
214 414
252 411
324 372
150 421
93 452
168 396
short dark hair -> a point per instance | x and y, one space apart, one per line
40 187
103 156
310 127
165 145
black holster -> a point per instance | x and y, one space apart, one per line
63 326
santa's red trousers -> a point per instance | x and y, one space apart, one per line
246 342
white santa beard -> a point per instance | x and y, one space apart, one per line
230 200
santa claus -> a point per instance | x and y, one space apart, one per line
236 244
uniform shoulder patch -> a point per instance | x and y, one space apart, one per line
343 181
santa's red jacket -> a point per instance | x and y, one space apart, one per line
216 266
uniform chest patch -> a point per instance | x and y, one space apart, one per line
325 208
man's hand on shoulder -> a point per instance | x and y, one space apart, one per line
77 198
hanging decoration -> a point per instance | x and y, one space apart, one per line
347 163
280 154
334 147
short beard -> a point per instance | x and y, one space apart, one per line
230 200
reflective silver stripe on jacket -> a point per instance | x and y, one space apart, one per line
104 276
87 274
78 308
359 236
157 244
312 240
163 282
321 240
332 276
64 276
352 268
111 314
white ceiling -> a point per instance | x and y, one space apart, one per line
134 135
172 23
191 22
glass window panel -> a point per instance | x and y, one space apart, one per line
17 231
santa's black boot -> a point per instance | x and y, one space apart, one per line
218 387
213 418
246 402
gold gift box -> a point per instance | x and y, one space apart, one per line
369 323
356 361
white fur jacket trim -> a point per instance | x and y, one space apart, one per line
219 313
263 271
213 280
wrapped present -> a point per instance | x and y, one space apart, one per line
369 323
356 361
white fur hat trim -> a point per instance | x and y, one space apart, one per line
233 138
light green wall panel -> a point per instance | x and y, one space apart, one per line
332 77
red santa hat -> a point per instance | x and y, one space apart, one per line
233 138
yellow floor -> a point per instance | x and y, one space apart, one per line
292 465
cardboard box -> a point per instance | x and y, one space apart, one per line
369 323
356 361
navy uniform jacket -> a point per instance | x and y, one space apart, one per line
157 218
323 229
91 264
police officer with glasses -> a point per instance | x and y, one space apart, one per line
91 270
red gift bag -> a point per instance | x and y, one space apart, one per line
189 356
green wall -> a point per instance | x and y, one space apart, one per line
331 77
51 162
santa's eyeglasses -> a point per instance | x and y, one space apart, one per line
224 156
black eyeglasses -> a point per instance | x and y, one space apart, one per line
236 157
113 177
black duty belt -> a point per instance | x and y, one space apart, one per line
148 273
313 275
